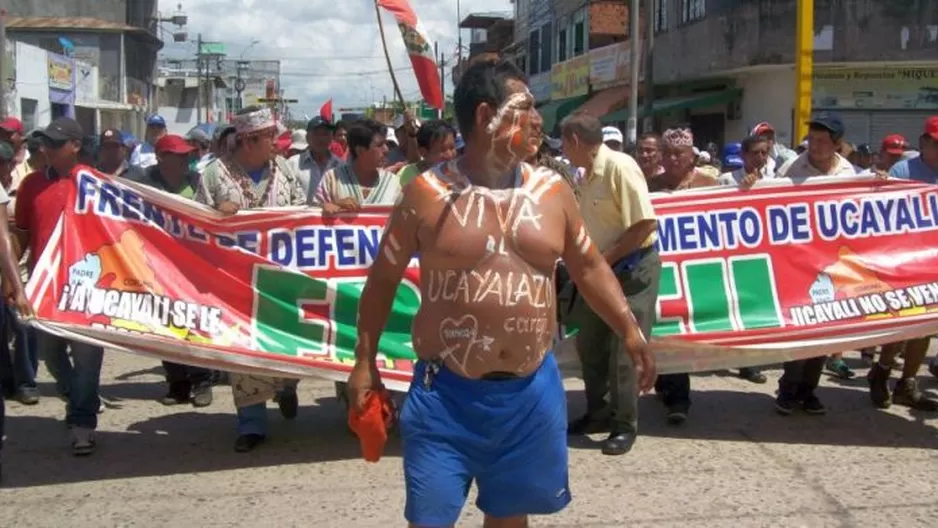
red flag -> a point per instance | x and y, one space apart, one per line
419 49
325 111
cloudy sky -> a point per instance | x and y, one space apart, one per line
328 48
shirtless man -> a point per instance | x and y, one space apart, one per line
487 402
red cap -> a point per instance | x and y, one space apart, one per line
173 144
931 127
762 128
894 144
12 124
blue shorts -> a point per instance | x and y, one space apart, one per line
509 436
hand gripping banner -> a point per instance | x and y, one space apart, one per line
779 272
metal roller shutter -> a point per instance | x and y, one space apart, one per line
857 124
910 124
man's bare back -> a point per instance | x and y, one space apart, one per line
487 262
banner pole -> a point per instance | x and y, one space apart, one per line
387 57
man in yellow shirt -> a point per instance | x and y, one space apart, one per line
617 211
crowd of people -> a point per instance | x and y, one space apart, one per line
585 203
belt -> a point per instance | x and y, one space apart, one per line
628 262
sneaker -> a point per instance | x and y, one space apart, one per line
27 395
785 404
677 413
839 368
202 396
812 405
906 393
878 378
82 441
753 375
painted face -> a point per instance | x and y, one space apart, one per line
514 128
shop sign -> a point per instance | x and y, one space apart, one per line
540 86
60 73
570 78
876 88
610 65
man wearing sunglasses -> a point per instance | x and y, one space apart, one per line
42 198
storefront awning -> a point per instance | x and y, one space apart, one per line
688 102
605 101
554 111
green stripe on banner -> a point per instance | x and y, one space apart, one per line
757 303
708 297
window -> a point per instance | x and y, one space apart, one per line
661 16
562 45
579 33
547 44
534 52
692 10
28 112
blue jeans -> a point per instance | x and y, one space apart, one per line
78 373
20 365
252 419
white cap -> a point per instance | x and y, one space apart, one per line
704 156
391 135
298 140
611 133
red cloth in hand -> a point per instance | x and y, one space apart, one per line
371 425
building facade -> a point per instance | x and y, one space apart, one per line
117 39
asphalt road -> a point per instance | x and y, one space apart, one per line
734 463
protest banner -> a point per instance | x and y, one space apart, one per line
779 272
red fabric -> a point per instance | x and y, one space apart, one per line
173 144
931 127
419 49
39 203
325 111
336 148
282 144
371 425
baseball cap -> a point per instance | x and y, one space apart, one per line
894 144
173 144
317 122
931 127
62 129
732 155
298 140
6 151
864 149
763 128
12 124
111 135
829 121
198 135
611 133
34 140
156 121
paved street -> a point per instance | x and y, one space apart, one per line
735 463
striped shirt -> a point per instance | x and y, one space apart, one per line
341 182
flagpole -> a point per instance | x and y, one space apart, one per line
387 57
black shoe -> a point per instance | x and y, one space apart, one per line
587 424
618 443
878 378
27 395
202 395
289 404
677 413
812 405
753 375
247 443
785 404
174 398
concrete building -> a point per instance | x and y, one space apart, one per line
227 86
118 39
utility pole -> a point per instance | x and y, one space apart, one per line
198 82
804 69
459 36
649 124
3 64
436 50
633 86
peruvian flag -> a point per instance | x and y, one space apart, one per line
419 49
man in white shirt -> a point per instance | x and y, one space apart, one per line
144 155
311 165
825 131
778 154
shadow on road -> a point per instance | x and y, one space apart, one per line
184 442
724 415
